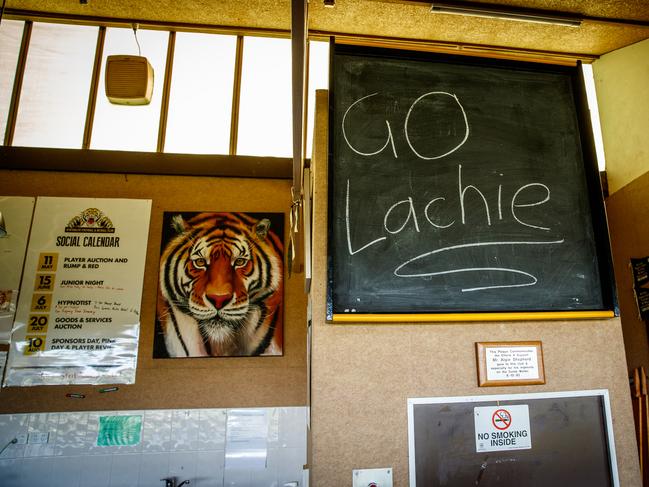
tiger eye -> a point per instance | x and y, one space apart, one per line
200 262
240 262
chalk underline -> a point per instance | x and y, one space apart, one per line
532 282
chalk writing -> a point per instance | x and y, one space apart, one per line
404 214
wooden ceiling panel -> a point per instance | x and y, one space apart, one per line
620 9
386 18
415 21
262 14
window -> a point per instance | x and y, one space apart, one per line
54 98
133 128
589 80
318 80
54 101
265 118
11 32
200 102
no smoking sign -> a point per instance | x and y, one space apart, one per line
501 419
501 428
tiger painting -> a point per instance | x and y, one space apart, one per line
220 285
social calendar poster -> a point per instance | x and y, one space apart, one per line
78 314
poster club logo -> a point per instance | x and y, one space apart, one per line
90 220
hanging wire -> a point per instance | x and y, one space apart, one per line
139 51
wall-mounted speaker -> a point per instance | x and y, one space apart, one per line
129 80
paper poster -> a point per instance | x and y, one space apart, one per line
119 430
640 268
8 298
78 315
221 285
246 438
15 220
642 299
3 363
502 428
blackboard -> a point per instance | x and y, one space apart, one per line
460 184
570 436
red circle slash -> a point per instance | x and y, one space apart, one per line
501 419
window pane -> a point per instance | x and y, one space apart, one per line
318 80
589 80
54 97
200 101
121 127
11 32
265 126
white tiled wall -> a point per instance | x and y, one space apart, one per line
186 444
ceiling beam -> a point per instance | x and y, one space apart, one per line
299 19
461 48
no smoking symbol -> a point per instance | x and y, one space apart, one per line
501 419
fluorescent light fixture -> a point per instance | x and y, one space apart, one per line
507 13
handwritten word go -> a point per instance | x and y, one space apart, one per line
390 137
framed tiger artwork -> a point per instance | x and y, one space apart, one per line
221 285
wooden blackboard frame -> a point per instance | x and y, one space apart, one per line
455 409
592 181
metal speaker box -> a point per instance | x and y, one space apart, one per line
129 80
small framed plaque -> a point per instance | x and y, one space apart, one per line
510 363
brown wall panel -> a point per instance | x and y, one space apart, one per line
362 374
628 218
177 383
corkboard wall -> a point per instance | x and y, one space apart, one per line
628 219
363 374
177 383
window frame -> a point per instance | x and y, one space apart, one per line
96 74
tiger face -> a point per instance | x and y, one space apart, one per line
90 216
223 273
